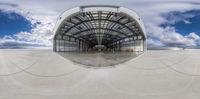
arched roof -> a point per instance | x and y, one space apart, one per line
110 23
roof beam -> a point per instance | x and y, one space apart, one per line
85 21
100 29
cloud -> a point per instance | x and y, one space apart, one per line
168 35
172 38
40 35
9 42
193 36
187 22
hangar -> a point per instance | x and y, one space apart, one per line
99 28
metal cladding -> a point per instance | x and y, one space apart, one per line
113 27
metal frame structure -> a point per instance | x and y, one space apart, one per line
116 28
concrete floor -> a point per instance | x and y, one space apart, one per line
99 59
42 74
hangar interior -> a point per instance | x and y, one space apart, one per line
99 30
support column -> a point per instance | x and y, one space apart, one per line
54 45
79 45
119 45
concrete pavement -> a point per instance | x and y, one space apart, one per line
43 74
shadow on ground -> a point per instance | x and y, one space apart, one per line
99 59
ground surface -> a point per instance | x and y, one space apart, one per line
99 59
42 74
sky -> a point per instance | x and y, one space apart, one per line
169 23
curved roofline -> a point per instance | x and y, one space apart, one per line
112 6
119 9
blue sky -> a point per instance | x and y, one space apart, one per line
12 23
194 26
191 22
168 23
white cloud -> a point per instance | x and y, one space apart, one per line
168 36
193 36
187 22
171 38
41 34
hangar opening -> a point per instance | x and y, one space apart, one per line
99 28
